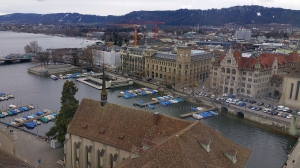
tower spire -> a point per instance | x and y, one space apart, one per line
103 92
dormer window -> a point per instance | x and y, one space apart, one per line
85 127
121 136
102 131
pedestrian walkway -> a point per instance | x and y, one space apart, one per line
293 160
31 149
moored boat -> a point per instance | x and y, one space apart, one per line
54 77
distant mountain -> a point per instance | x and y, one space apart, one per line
239 15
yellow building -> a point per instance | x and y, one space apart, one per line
187 67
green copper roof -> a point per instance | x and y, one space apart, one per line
213 59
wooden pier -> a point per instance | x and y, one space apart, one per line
153 102
31 119
194 112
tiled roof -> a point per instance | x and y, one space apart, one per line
8 160
134 125
183 150
265 60
201 56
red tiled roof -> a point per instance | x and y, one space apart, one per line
124 127
183 150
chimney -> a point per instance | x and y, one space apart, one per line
155 119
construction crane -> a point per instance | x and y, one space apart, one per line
148 22
135 26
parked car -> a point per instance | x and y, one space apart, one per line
241 104
260 104
228 100
253 108
280 108
249 107
274 108
241 99
225 94
268 105
246 100
252 101
289 111
274 113
258 108
284 115
289 116
280 113
267 109
285 109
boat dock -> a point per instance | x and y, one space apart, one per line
83 80
194 112
31 119
152 102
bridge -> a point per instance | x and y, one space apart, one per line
15 59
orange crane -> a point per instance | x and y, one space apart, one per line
135 26
148 22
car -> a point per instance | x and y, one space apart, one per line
280 108
280 113
241 99
249 107
268 105
253 108
252 101
212 96
267 109
228 100
289 111
225 94
285 109
274 108
260 104
284 115
289 116
274 113
258 108
245 100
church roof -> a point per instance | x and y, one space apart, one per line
9 161
174 142
116 120
184 149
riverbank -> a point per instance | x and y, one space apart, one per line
47 70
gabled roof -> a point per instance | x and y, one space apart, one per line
91 119
171 142
183 150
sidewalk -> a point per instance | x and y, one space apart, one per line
30 149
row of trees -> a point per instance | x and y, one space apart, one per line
77 56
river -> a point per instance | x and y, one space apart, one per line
270 148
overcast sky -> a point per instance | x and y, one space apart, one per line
121 7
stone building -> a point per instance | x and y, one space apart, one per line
291 87
113 135
250 76
133 61
187 67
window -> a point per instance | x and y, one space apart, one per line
250 74
233 78
248 91
243 90
243 84
248 86
244 73
223 69
243 78
229 61
215 68
249 79
233 71
228 70
179 66
291 92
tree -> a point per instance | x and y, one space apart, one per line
87 57
68 108
43 57
33 47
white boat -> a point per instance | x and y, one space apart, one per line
46 111
197 116
5 113
17 110
31 117
30 106
18 120
13 123
53 77
12 106
37 122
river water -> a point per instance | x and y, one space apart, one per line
270 148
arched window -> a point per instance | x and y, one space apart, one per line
233 71
223 69
228 70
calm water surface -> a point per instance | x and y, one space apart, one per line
269 147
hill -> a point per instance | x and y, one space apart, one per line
239 15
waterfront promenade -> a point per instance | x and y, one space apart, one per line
29 148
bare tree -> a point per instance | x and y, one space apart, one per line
215 86
33 47
43 57
87 56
